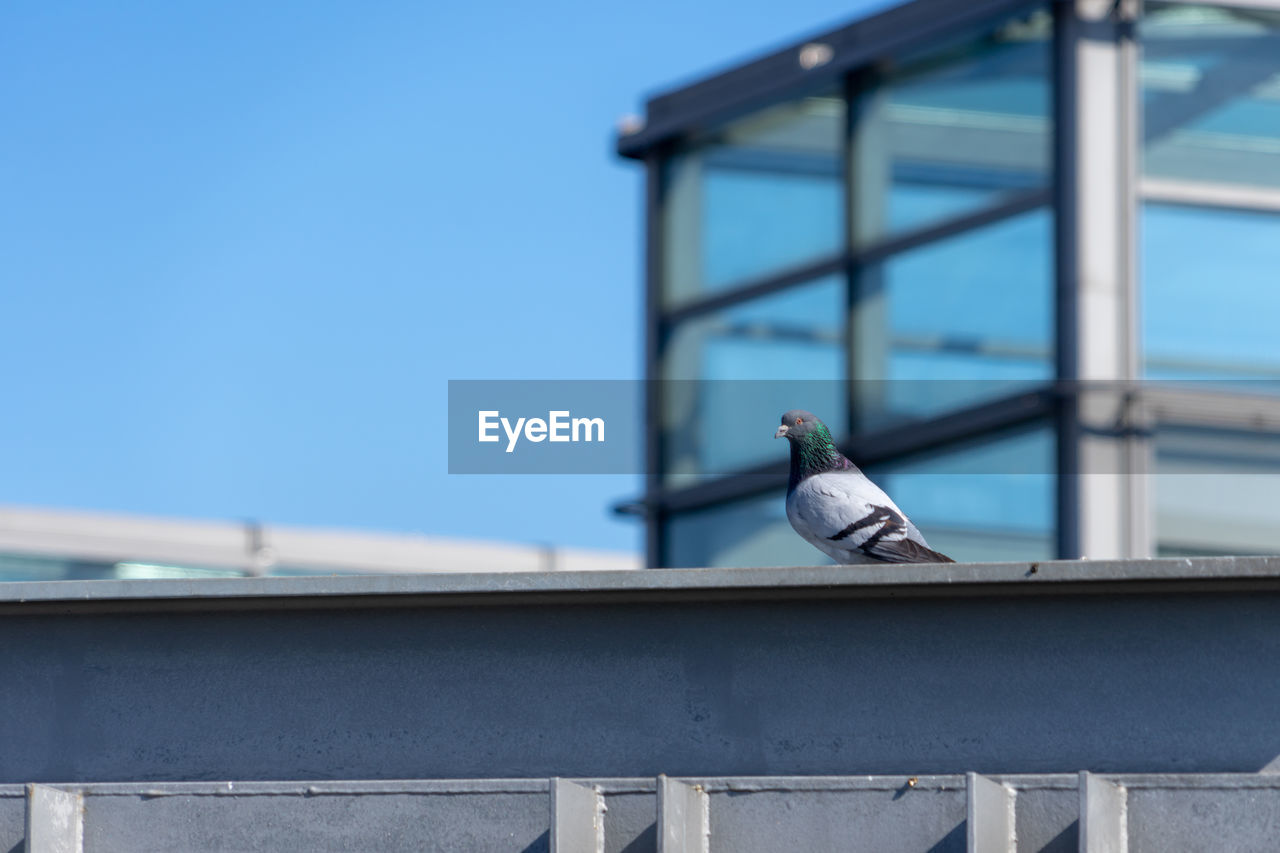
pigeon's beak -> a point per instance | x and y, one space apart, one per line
782 432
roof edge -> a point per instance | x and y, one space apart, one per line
861 42
954 580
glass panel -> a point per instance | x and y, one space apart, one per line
752 532
992 501
947 312
1216 491
45 567
1211 94
759 196
30 567
746 365
1210 300
954 131
988 501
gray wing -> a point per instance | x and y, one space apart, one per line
887 537
846 515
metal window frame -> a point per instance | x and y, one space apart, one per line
1096 145
1264 5
954 430
653 342
1093 231
876 253
1096 202
1184 193
1186 404
856 49
882 37
1151 404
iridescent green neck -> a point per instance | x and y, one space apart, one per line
815 453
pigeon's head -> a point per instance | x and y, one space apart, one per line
798 423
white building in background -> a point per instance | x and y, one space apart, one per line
45 544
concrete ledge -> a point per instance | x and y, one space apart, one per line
1145 667
1059 577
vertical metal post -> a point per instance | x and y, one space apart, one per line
849 92
1138 445
1103 826
55 820
683 819
653 517
1065 97
989 816
577 818
867 181
1102 511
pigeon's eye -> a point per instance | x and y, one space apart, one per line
799 421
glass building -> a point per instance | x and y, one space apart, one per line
1023 258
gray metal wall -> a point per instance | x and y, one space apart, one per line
1143 667
796 704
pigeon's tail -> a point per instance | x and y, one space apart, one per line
908 551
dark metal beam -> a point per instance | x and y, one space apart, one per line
1066 275
1016 205
753 290
653 449
891 33
900 442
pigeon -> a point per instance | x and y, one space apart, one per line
835 508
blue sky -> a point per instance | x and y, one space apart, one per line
243 246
